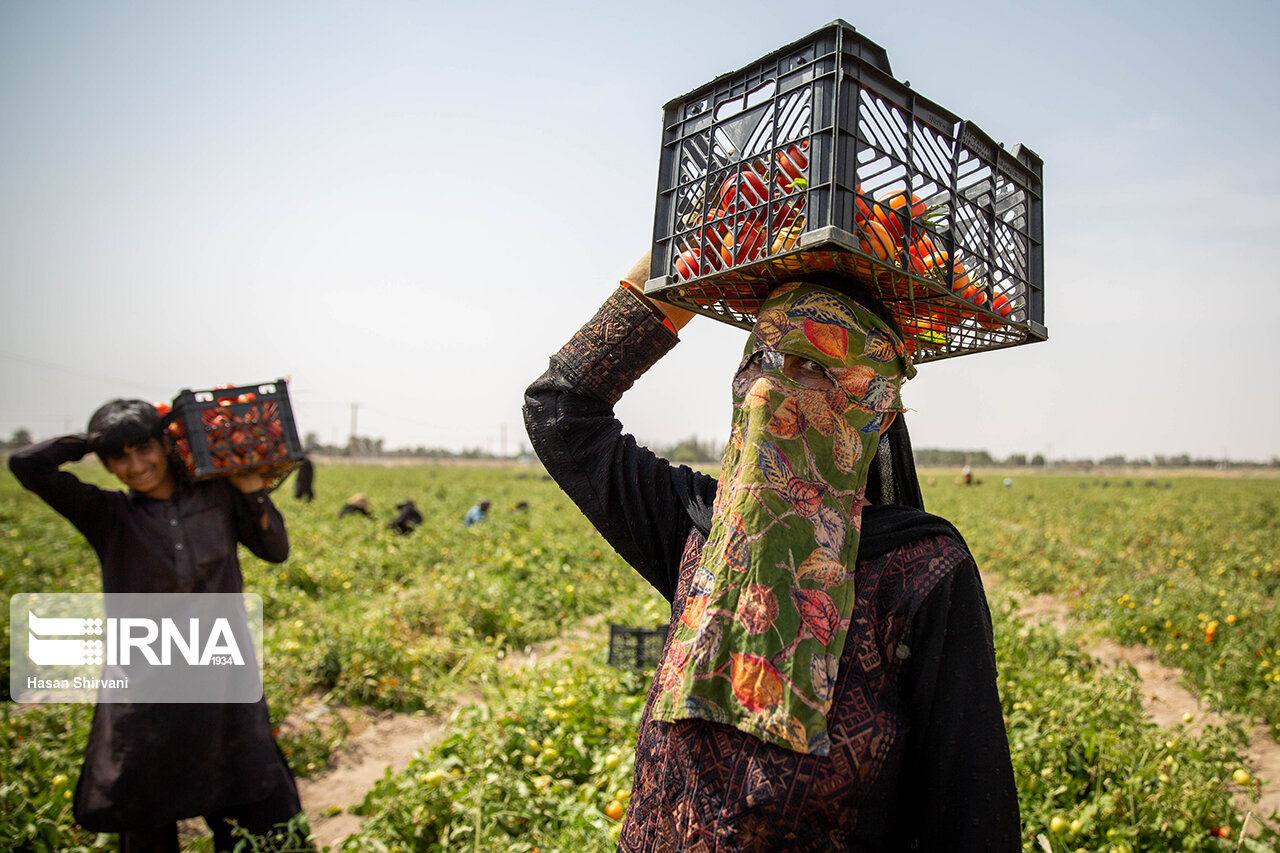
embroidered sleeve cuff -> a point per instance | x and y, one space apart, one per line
606 356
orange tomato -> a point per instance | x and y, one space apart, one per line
974 293
876 240
747 246
960 282
925 263
1002 304
888 211
924 245
786 239
615 810
918 207
928 331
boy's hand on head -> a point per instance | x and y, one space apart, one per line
81 442
250 481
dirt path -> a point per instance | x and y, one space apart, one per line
389 740
1164 698
387 743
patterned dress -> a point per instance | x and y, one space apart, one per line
919 759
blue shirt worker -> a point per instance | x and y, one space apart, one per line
477 513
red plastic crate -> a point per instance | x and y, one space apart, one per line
815 159
236 429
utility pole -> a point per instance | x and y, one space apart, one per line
351 445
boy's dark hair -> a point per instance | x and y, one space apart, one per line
123 423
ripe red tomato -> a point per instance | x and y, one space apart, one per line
862 210
792 164
689 264
789 214
924 260
1002 304
974 293
933 322
740 191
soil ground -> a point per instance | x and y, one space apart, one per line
388 741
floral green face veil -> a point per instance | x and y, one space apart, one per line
760 637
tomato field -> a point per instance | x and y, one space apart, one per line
538 757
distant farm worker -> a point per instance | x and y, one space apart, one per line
304 481
148 766
477 513
828 679
406 519
357 503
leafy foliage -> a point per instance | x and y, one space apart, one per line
361 617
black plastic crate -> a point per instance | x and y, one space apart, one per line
234 429
636 649
815 159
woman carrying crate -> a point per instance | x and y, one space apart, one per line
828 679
149 765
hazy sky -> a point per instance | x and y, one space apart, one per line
410 206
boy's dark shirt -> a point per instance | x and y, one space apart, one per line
153 763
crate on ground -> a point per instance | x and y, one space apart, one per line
814 160
236 429
636 649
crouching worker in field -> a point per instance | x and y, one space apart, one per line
828 680
478 513
357 503
149 765
406 519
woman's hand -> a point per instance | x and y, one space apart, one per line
635 279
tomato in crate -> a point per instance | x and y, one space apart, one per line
236 429
814 160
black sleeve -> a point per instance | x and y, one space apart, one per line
960 751
270 543
642 504
84 505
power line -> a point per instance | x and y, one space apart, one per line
96 377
